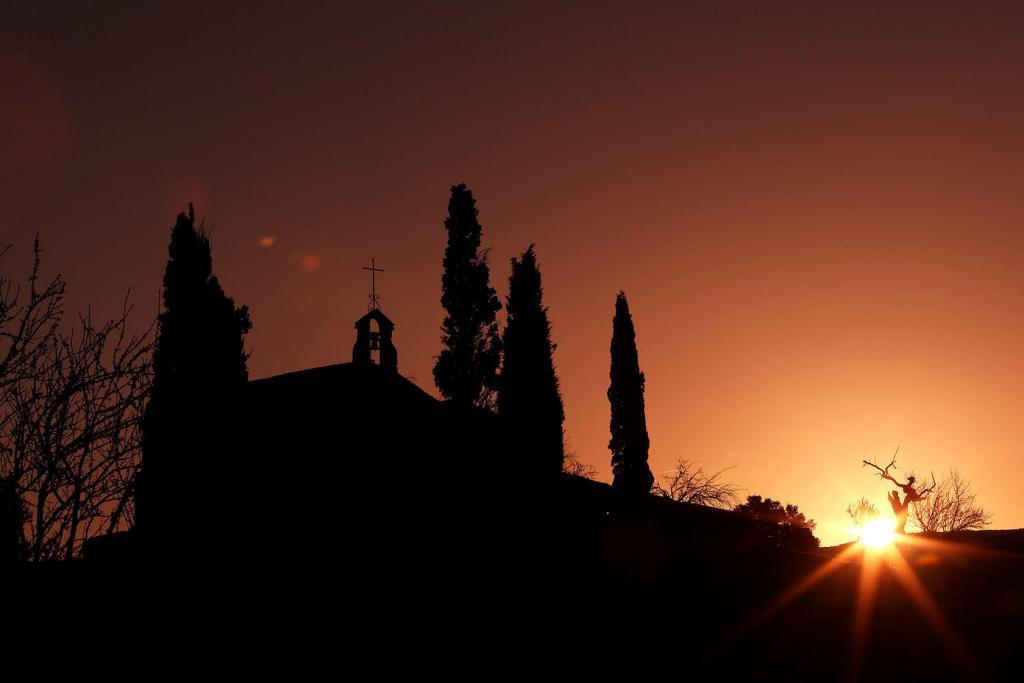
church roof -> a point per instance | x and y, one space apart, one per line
378 315
342 383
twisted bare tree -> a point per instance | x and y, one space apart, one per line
912 495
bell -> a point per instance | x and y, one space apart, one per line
375 341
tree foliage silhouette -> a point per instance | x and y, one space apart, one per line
200 333
199 360
528 396
784 525
629 443
467 368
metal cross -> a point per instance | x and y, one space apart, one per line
374 299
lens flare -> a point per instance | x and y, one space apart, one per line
877 533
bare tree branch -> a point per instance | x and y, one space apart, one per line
571 464
689 484
884 472
70 405
952 507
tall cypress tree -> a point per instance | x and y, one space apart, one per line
199 365
528 396
629 443
200 329
467 368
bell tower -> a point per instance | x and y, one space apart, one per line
373 331
375 342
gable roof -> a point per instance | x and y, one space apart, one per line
378 315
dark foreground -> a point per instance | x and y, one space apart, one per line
350 525
646 588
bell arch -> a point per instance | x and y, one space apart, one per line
369 340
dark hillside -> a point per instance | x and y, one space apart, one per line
360 496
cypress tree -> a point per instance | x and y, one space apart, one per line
199 340
629 443
528 396
199 366
467 367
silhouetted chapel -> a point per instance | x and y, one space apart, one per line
353 470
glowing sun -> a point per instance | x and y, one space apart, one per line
877 533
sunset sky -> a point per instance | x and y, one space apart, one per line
815 209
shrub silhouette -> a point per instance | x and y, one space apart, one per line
862 511
784 525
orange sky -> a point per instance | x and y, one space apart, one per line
815 210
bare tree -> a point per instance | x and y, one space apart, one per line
862 511
571 464
29 315
688 483
951 507
911 494
69 419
